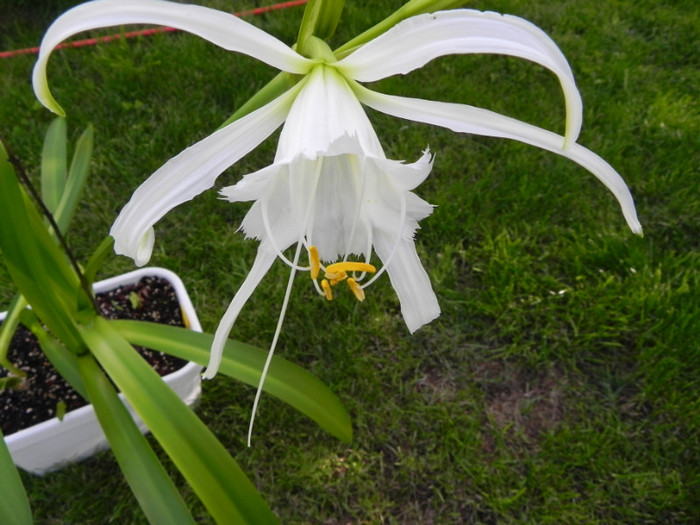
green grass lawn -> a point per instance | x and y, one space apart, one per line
561 383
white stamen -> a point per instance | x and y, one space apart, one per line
278 330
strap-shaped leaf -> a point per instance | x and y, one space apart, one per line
54 164
150 483
77 176
14 506
94 264
206 465
63 360
37 266
286 381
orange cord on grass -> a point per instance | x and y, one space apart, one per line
146 32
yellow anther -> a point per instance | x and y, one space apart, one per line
337 277
338 267
314 262
356 289
327 289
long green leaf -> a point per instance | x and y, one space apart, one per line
14 505
63 360
36 264
77 176
9 325
409 9
206 465
54 164
286 381
94 264
150 483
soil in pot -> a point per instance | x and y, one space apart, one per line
44 390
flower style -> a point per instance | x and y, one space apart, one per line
331 191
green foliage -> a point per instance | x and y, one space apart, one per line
49 280
14 506
288 382
560 384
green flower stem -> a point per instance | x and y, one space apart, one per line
104 250
320 19
270 91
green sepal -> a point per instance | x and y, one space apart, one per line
286 381
9 325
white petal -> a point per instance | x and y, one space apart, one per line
467 119
220 28
409 279
417 40
407 176
190 173
324 116
261 266
389 206
251 187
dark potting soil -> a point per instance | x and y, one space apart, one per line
43 390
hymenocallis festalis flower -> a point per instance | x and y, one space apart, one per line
331 192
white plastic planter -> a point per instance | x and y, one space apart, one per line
54 443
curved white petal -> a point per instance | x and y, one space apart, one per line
467 119
409 279
261 265
189 174
417 40
223 29
251 186
407 176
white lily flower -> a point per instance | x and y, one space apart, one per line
331 190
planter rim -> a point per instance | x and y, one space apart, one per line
185 381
